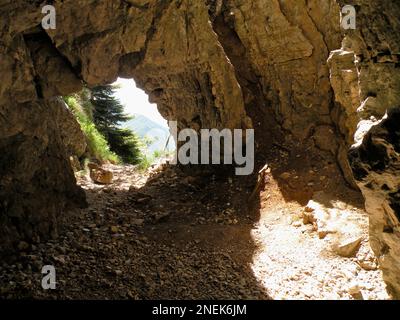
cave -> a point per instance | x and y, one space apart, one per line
322 100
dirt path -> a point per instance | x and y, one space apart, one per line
166 235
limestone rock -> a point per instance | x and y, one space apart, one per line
70 131
354 289
348 248
207 64
100 175
317 215
366 83
375 163
37 185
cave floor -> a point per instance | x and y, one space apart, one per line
168 235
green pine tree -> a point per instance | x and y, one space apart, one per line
108 115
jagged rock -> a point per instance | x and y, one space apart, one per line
376 167
325 139
70 131
366 83
138 222
348 248
317 215
368 265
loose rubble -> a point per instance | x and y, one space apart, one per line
167 235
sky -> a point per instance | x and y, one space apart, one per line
136 100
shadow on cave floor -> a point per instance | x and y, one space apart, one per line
185 234
174 236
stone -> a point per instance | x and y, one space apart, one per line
71 133
365 81
118 273
349 247
379 183
367 260
36 178
354 289
114 229
60 259
296 224
100 175
368 265
325 139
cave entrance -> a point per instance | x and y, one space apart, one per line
146 122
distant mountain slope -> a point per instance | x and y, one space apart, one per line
145 127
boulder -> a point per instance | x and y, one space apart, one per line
100 175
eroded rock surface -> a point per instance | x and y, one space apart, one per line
37 185
376 165
366 80
207 64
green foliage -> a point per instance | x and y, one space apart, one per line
100 116
145 162
97 144
126 144
149 160
108 114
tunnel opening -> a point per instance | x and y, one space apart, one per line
147 122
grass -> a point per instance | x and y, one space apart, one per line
148 160
98 145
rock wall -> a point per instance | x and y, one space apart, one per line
172 50
206 63
176 53
36 181
365 76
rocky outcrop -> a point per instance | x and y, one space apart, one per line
188 72
376 164
207 64
37 185
366 79
71 133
